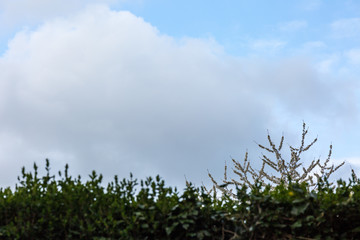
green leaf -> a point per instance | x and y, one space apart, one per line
186 226
310 218
298 200
297 210
297 224
170 229
145 225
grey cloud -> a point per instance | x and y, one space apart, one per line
33 11
105 90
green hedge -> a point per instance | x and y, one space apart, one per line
68 208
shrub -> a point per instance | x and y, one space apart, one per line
286 170
47 208
68 208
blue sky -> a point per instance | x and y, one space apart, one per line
174 87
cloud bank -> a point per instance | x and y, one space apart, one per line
30 11
106 90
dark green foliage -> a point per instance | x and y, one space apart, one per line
68 208
46 208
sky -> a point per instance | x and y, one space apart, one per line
175 88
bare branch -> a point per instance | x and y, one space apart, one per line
284 169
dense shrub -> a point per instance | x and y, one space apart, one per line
46 208
69 208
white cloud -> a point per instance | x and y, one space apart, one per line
105 90
353 56
32 12
346 28
353 161
345 171
267 46
310 5
293 26
311 49
314 45
40 8
327 65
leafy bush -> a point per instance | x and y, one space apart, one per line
46 208
68 208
